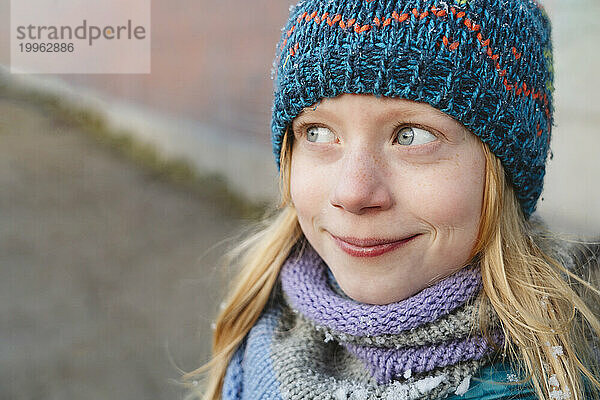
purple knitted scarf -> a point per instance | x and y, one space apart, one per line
432 329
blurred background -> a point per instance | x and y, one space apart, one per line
119 194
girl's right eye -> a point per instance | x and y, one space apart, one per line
319 134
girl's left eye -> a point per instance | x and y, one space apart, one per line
410 135
319 134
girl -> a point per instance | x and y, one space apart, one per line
411 137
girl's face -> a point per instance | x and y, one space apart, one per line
388 192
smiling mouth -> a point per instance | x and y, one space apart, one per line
369 247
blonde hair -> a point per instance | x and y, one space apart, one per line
546 323
543 318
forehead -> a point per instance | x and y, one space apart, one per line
371 107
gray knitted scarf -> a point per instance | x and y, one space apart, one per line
325 345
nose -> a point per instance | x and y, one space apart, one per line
361 185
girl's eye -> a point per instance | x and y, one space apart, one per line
412 136
319 134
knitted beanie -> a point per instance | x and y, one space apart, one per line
487 63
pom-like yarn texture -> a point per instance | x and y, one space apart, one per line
487 63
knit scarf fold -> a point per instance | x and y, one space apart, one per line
324 345
382 336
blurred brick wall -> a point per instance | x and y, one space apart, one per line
211 61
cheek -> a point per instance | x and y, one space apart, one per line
308 189
451 195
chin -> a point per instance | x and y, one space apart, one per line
377 299
376 295
378 284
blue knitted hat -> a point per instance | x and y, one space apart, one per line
487 63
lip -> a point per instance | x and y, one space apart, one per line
370 247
